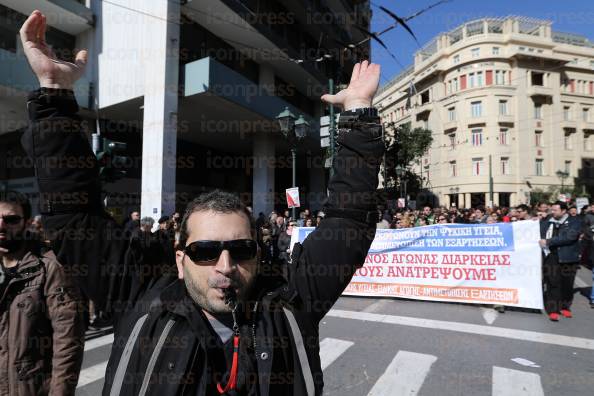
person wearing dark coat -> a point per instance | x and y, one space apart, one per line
221 325
561 254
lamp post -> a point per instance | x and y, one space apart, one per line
294 129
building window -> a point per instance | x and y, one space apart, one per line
495 50
503 107
452 114
479 79
475 52
504 165
471 80
452 137
538 111
568 141
456 59
587 142
538 139
476 109
537 79
566 113
455 84
539 168
586 114
453 169
449 87
477 137
477 166
425 97
503 136
568 167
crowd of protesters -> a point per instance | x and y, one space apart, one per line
567 238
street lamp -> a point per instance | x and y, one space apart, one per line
562 175
401 172
294 129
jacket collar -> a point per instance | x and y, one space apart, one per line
560 221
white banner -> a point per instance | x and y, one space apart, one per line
471 263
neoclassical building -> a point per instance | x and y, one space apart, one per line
506 98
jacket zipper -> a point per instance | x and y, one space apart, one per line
255 312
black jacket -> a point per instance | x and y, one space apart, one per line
566 242
162 339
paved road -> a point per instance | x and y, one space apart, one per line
403 347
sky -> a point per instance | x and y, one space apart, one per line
571 16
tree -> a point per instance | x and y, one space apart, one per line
403 146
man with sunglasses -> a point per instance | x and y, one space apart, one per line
225 324
41 323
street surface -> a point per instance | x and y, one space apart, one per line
372 346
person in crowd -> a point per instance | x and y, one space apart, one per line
523 212
132 224
421 221
176 218
559 243
41 314
587 256
35 226
385 220
543 207
146 225
319 218
573 211
309 222
428 215
442 219
283 244
480 216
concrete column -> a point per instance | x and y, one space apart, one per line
467 200
461 201
263 179
161 63
496 199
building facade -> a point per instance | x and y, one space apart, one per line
193 88
508 100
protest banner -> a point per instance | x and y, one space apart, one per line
470 263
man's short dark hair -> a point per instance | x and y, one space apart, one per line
17 198
523 208
217 201
562 205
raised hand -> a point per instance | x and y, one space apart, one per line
361 89
51 72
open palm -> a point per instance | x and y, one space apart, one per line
362 87
50 71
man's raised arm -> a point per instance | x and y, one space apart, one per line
324 265
83 238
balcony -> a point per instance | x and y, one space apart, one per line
69 16
537 90
450 125
505 119
568 124
16 75
587 125
206 76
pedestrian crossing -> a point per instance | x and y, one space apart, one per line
404 375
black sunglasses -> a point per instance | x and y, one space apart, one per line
12 219
239 249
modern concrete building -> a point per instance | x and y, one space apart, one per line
509 95
193 88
